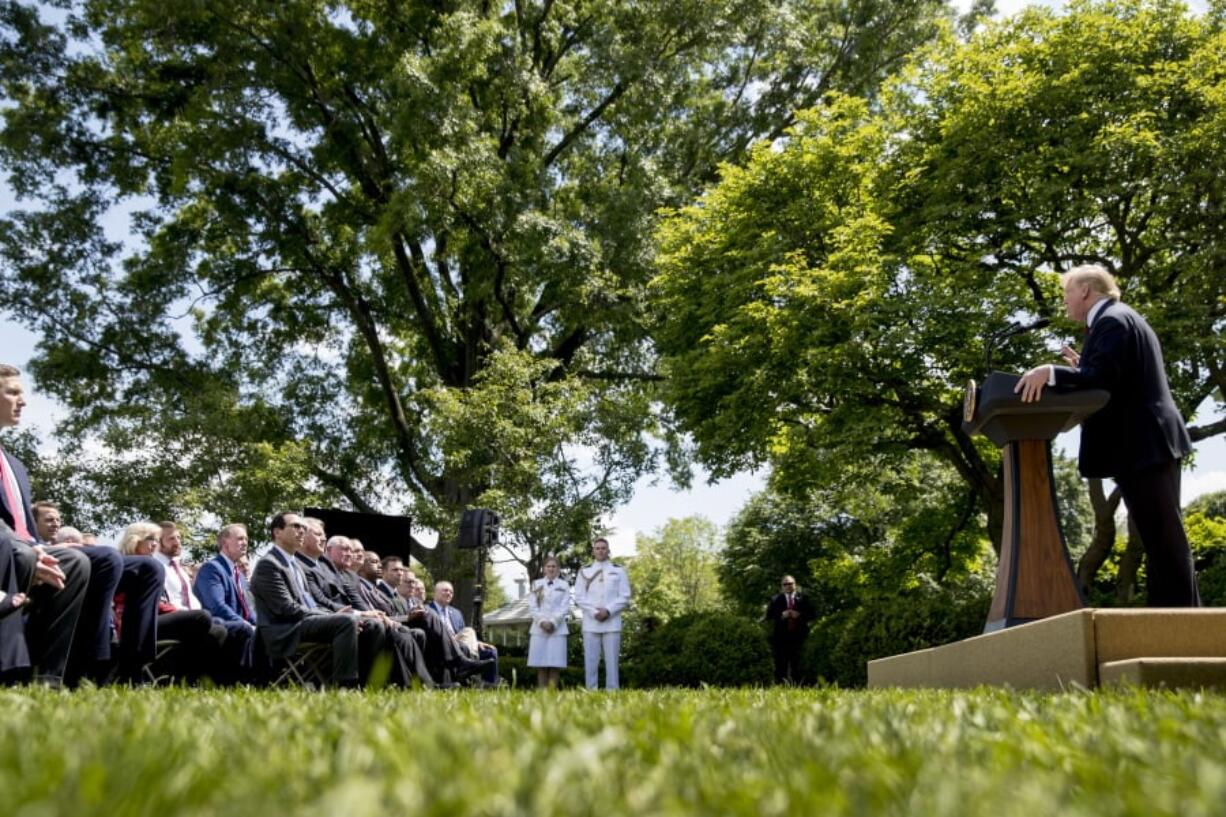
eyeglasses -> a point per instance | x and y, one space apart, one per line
297 525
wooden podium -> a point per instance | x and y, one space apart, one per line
1034 577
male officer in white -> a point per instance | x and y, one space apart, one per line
602 591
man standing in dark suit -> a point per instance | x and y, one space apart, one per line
286 613
789 613
1139 437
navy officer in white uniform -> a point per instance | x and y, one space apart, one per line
602 591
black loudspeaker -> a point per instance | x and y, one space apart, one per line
478 529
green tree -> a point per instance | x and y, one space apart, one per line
1212 504
399 248
673 571
891 569
820 307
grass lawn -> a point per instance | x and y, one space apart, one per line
750 752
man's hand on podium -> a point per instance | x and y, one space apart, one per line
1032 383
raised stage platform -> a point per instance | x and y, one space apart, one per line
1087 648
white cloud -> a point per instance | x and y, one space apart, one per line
1205 482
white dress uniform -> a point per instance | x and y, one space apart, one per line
548 601
602 584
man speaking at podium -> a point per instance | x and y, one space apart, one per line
1138 438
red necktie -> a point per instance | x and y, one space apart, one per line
242 597
183 589
13 497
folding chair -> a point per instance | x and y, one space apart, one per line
310 667
163 648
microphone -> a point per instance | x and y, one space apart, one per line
1021 329
1012 329
1015 328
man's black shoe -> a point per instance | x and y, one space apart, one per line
466 668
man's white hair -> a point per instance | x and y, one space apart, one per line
68 535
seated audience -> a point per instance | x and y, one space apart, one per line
201 640
220 582
14 655
287 615
453 622
140 579
389 578
68 535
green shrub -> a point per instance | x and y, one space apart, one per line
717 649
515 671
888 624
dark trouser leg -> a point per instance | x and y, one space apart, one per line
91 647
490 673
141 582
408 645
53 613
780 653
14 654
372 642
200 641
1152 497
341 631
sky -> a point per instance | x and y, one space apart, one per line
655 501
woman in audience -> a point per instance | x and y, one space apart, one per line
201 640
549 603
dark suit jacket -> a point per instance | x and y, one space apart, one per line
455 616
375 598
217 592
23 486
279 608
779 625
13 651
1140 425
323 583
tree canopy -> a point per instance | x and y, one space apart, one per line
673 571
387 254
821 307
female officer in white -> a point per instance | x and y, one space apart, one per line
602 591
549 603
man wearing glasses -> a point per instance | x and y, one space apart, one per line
286 614
789 613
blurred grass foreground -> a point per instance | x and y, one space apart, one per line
721 752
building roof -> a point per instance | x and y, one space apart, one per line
517 612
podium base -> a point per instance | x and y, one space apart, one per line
1084 648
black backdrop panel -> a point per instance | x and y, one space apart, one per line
386 535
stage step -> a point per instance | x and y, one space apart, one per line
1182 672
1069 650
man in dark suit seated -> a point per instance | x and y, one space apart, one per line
138 579
441 649
287 615
69 629
453 623
57 579
14 655
377 635
1139 438
393 569
789 613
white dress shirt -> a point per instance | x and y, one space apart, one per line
177 578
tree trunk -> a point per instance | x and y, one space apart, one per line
1126 583
1104 533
